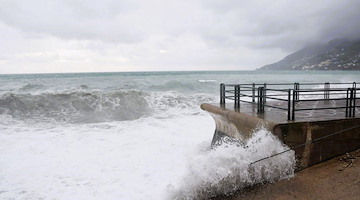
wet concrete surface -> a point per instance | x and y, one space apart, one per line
338 178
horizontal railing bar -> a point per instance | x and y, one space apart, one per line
321 108
276 95
324 108
329 82
276 98
246 87
275 107
246 90
277 90
321 99
256 84
322 90
313 93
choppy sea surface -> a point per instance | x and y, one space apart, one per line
131 135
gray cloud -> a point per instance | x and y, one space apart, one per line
285 24
180 34
259 23
97 20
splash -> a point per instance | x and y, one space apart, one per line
228 169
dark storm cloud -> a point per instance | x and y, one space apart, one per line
284 24
113 35
258 24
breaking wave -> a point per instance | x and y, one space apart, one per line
76 106
198 86
228 169
30 86
207 81
81 106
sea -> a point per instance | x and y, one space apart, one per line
132 135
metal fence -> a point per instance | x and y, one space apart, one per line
289 96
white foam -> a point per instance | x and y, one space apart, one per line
164 156
119 160
207 81
228 168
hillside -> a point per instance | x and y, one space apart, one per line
338 54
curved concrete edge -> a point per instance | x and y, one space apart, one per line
235 124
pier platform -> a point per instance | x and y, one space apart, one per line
319 129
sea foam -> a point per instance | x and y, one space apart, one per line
230 167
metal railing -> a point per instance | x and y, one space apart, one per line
290 97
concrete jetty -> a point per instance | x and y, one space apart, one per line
322 131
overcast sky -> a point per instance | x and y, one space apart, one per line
44 36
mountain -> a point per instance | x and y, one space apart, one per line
338 54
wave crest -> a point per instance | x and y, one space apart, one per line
31 86
76 106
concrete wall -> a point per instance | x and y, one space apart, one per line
317 150
240 126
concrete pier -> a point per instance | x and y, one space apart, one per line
313 130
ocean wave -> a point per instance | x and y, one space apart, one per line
76 106
164 101
207 81
90 106
228 169
194 86
31 86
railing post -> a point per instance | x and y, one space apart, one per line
354 89
326 91
347 103
237 96
289 104
261 102
222 93
263 97
353 99
350 102
253 92
265 92
293 105
258 100
297 87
